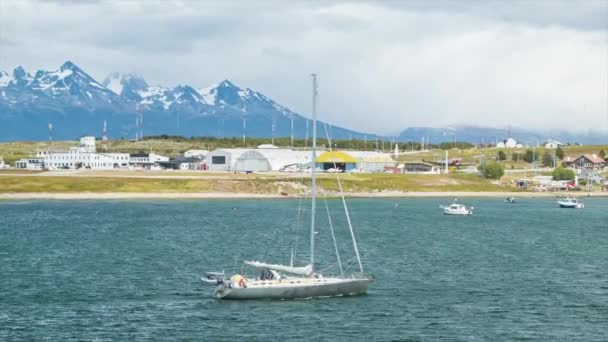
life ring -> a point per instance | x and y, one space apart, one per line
242 283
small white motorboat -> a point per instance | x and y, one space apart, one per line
570 202
457 209
510 200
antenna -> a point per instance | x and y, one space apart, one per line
141 124
274 126
50 135
291 129
104 136
244 126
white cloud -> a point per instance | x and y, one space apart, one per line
382 66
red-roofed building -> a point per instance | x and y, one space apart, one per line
586 161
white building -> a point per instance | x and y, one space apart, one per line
146 160
30 164
201 154
271 159
553 144
1 163
223 159
83 156
508 143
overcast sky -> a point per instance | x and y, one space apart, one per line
382 65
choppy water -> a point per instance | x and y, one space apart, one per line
129 270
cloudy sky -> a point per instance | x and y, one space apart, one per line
382 65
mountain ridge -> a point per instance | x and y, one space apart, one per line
77 104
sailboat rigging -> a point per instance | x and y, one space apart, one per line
288 281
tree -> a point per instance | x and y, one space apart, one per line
547 159
492 170
515 156
530 156
502 156
561 173
559 152
602 154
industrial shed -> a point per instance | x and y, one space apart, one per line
224 159
369 161
271 159
336 159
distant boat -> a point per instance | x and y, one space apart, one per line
457 209
510 200
570 202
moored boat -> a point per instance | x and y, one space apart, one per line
570 202
293 282
457 209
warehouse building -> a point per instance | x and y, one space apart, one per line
271 159
224 159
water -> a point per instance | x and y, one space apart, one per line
129 270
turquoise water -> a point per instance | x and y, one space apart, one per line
129 270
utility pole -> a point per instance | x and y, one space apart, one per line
292 130
244 127
50 136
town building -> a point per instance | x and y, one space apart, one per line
146 160
30 164
201 154
339 160
508 143
420 167
83 156
223 159
586 161
183 163
271 159
552 144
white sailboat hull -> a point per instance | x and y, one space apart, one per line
295 288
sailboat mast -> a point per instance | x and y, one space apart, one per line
313 175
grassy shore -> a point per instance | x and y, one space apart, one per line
254 184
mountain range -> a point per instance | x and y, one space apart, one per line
76 104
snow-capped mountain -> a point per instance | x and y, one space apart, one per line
77 104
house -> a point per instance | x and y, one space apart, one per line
588 161
553 144
1 163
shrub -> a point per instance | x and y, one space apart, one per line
492 170
502 156
559 153
561 173
530 156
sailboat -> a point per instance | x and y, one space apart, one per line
294 282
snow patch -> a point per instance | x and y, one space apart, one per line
115 85
4 79
209 94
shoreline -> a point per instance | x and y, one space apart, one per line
229 195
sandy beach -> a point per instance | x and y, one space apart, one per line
228 195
